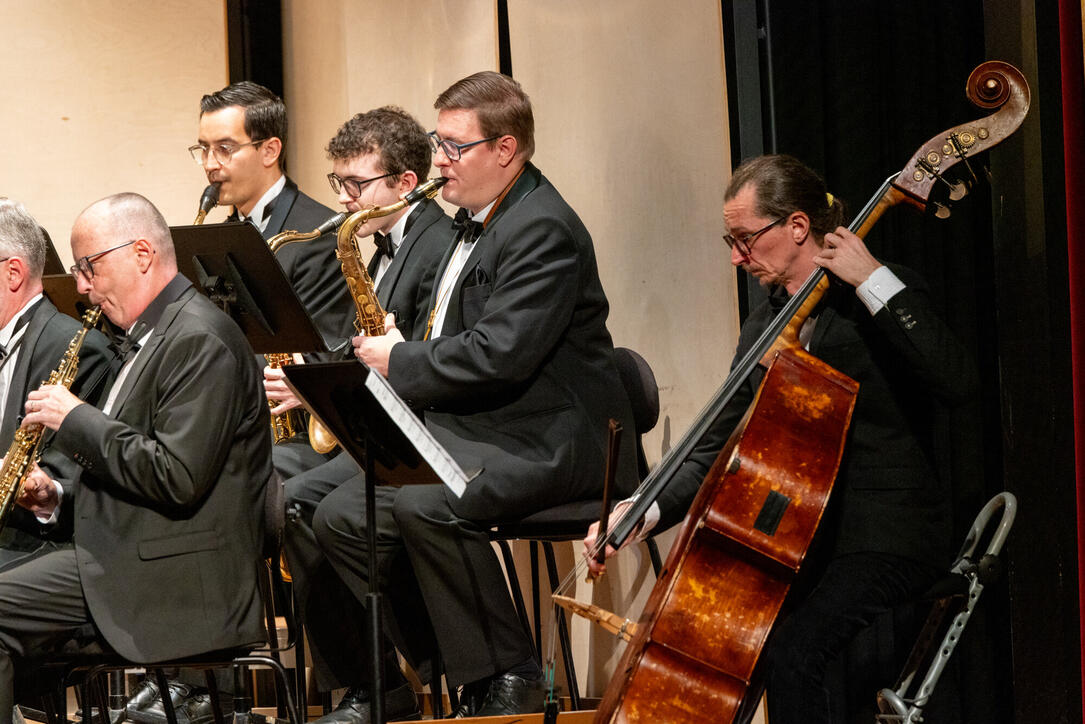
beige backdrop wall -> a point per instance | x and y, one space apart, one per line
104 97
631 127
631 122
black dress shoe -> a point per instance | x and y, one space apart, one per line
144 697
400 704
512 694
191 705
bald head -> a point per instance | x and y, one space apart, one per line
128 253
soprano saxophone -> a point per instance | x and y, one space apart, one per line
25 448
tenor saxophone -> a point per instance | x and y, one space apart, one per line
25 448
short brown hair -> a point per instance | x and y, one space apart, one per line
391 131
784 184
501 105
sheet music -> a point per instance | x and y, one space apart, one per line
447 469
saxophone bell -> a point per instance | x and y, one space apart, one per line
208 201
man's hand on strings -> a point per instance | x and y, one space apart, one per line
847 257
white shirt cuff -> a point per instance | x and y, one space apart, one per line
56 511
878 289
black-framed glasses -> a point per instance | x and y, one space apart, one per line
746 241
452 149
352 185
85 264
222 152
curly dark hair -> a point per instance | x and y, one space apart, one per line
391 131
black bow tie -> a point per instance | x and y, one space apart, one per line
384 244
125 346
471 230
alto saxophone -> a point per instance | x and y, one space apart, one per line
25 448
208 201
289 423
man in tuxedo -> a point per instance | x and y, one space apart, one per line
171 469
34 337
377 157
517 378
885 536
242 137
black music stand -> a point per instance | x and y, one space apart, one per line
379 431
233 266
61 291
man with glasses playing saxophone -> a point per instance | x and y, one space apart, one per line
33 338
241 147
166 547
377 157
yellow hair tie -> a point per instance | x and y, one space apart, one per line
829 197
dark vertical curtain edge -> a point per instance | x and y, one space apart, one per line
1073 123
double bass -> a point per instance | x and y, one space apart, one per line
696 650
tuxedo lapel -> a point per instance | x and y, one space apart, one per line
281 209
428 213
147 351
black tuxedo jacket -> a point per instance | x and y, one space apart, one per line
522 382
168 523
887 497
43 345
311 266
406 287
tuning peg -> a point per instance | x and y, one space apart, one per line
958 191
941 211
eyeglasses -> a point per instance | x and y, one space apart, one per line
453 150
222 152
85 264
745 242
353 186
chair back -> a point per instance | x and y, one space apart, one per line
643 392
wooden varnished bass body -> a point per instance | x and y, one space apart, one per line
731 567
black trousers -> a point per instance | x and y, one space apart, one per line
853 590
462 585
331 596
41 608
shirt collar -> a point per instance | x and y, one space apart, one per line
257 213
16 323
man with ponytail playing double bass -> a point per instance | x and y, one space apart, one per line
886 534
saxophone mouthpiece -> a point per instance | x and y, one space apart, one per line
331 224
427 190
210 197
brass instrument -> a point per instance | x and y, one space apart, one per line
320 439
289 423
208 201
370 319
25 448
